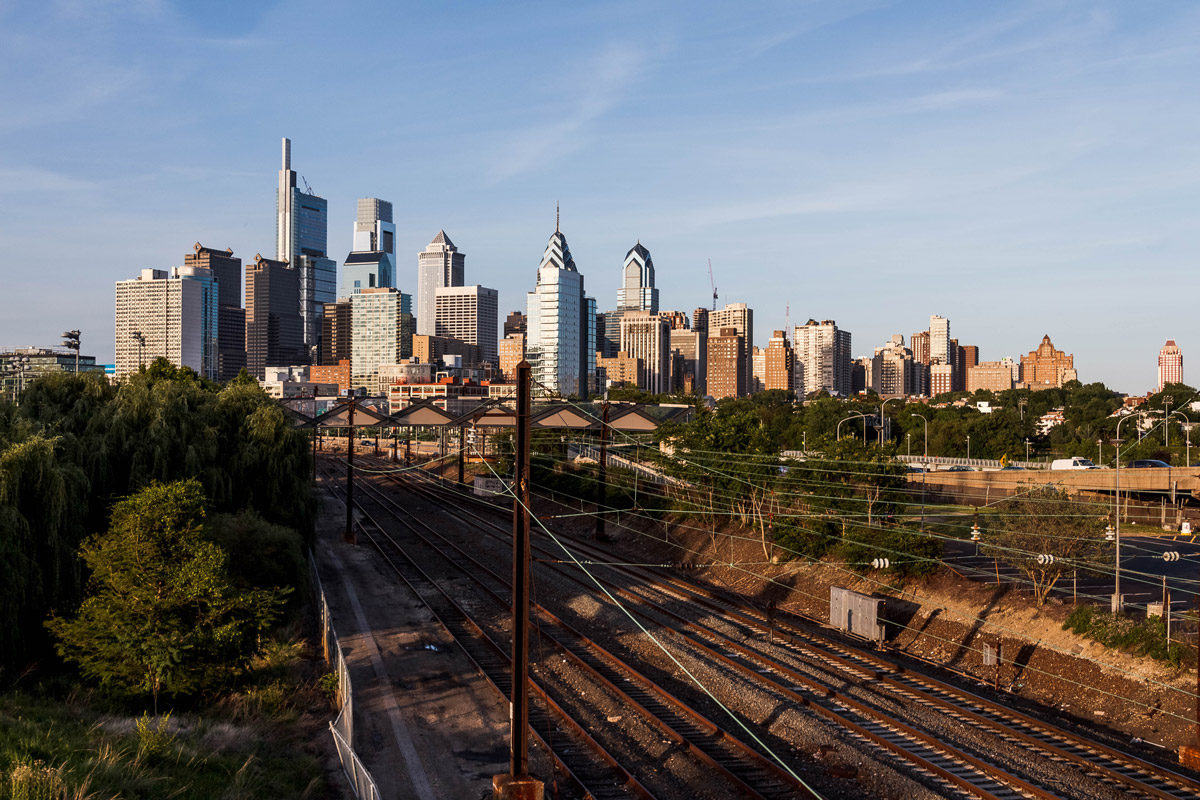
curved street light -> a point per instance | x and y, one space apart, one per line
883 417
922 416
1117 603
855 415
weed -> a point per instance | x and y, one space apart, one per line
35 780
155 741
1146 637
329 686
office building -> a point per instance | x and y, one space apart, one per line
689 361
822 358
514 323
15 375
336 330
647 336
511 353
1170 364
301 241
1047 367
621 370
561 337
439 265
367 269
274 328
700 320
172 316
758 370
469 314
778 363
231 317
337 374
434 349
382 333
678 320
637 292
374 230
608 333
939 340
862 374
727 372
739 316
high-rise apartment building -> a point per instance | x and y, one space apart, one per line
822 357
990 376
689 361
736 315
637 292
678 320
469 314
758 369
382 325
941 378
561 337
173 315
893 370
647 336
1047 367
301 241
727 364
939 340
439 265
920 347
700 320
1170 364
778 365
231 317
336 333
274 327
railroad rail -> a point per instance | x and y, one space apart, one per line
1092 760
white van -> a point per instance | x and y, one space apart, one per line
1078 462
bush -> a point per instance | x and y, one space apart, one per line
261 555
156 740
911 553
799 542
1146 637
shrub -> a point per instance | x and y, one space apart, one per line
155 737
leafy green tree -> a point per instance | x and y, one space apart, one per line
1044 521
162 615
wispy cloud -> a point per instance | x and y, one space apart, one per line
28 180
595 88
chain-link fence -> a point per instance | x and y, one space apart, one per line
342 726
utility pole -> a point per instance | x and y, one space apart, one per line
462 446
517 783
602 476
348 537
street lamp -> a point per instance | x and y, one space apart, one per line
1026 448
1117 604
17 367
71 342
883 418
926 434
908 438
855 415
141 341
1187 431
968 447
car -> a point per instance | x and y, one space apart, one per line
1148 463
916 469
960 468
1011 467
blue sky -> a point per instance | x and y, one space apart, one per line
1021 168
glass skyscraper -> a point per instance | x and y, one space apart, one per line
301 235
561 330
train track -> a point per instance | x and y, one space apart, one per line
1085 762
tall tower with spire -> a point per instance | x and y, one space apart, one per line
637 292
439 265
561 324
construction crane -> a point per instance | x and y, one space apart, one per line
714 284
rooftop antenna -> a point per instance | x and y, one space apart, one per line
714 284
787 322
556 217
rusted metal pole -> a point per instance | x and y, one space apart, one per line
520 660
349 536
316 432
602 475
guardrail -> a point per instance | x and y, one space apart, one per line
342 726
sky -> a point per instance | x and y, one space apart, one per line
1019 168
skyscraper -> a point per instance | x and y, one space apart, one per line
1170 364
822 353
689 360
469 314
367 269
231 317
174 316
335 333
637 292
739 316
561 336
727 363
382 324
939 340
778 366
1047 367
274 326
301 236
439 264
373 228
647 336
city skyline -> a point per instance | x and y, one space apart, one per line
1015 170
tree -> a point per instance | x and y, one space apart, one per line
162 614
1045 533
